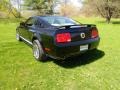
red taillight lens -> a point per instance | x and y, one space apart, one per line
63 37
94 33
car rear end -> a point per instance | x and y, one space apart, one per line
74 40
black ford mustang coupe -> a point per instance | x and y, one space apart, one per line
57 37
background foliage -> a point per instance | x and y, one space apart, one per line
105 8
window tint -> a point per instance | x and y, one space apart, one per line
39 24
30 22
59 21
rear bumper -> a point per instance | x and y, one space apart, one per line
63 51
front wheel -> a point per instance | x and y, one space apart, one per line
38 51
18 36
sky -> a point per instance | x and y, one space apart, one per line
77 3
14 3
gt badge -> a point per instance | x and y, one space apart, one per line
82 35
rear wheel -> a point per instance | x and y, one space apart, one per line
38 51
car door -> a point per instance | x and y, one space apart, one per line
29 27
23 29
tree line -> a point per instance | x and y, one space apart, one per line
105 8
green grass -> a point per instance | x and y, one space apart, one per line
98 70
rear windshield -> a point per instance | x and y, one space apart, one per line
59 21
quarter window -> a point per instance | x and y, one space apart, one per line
30 22
39 24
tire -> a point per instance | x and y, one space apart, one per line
18 37
38 51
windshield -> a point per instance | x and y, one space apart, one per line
59 21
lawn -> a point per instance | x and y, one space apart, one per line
98 70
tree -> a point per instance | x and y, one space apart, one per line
43 6
106 8
6 6
50 4
18 3
68 10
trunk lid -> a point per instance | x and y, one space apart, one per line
78 33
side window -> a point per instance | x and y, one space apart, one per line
39 24
30 22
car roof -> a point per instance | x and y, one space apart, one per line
40 17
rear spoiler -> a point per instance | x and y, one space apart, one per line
79 25
89 25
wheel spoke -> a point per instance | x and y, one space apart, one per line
36 51
17 36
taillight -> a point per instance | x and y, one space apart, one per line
63 37
94 33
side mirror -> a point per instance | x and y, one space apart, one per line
22 24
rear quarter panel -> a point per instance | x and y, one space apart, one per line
47 39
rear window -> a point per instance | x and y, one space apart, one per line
59 21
